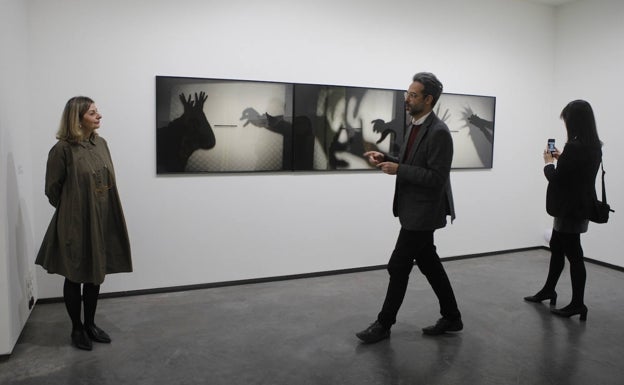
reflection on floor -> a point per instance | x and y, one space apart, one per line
302 332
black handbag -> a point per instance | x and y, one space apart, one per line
602 208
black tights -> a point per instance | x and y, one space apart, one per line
72 297
568 245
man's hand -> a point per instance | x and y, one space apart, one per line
375 157
389 168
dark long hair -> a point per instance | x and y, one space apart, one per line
578 117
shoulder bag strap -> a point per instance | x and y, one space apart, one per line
604 190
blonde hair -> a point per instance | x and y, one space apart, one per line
69 128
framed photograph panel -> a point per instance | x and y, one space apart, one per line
348 121
208 125
471 121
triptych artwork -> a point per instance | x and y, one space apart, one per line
227 126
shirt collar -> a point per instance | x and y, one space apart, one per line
422 119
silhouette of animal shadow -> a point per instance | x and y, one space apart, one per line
184 135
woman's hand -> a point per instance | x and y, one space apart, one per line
550 157
556 153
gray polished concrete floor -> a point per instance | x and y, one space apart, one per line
302 332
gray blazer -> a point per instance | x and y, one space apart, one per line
422 195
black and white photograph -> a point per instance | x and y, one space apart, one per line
207 125
471 121
348 121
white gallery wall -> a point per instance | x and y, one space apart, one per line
195 229
208 228
17 103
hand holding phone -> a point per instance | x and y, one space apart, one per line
551 146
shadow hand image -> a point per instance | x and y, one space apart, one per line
297 137
253 117
184 135
344 119
485 126
444 116
480 134
388 129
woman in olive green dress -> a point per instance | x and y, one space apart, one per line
87 237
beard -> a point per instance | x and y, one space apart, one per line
415 109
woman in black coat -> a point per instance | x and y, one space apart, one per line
570 199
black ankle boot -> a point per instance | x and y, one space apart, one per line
96 334
80 339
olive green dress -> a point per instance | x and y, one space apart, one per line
87 237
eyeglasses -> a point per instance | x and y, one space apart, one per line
409 95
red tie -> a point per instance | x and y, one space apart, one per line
411 139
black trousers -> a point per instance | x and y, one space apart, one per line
416 246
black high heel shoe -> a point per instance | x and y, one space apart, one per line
539 297
569 311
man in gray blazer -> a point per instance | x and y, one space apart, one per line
422 201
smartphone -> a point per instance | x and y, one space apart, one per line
551 146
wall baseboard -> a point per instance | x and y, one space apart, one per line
605 264
210 285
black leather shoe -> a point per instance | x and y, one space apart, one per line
571 310
444 325
97 334
539 297
80 340
374 333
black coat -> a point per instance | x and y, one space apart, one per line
571 189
